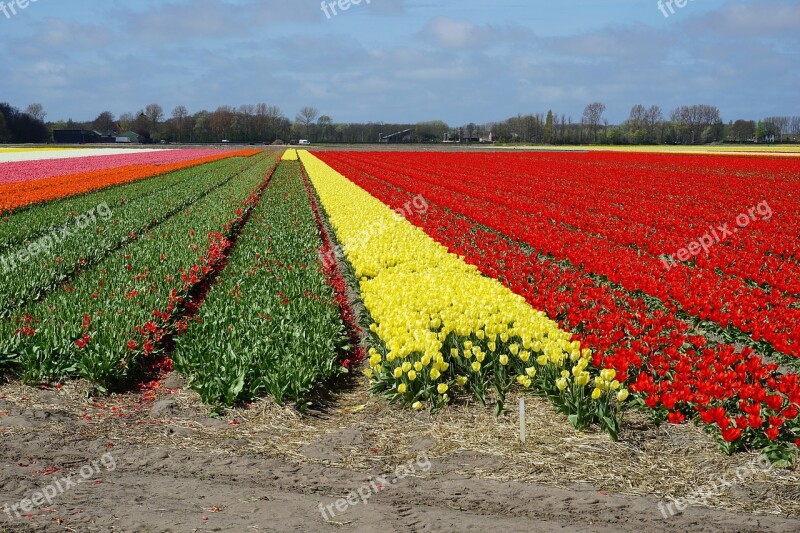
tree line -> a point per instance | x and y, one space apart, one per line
264 123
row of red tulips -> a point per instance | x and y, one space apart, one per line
674 371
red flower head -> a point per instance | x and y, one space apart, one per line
731 434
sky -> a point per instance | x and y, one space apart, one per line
402 61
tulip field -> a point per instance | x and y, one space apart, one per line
600 281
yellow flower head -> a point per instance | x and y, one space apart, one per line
596 393
398 373
622 395
542 360
524 355
531 371
561 383
461 380
504 359
406 366
476 366
418 366
442 388
608 374
435 374
416 406
402 388
412 375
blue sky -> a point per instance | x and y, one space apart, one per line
402 60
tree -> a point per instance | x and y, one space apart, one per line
155 113
306 117
19 127
548 128
36 111
432 131
592 116
5 132
324 123
222 121
179 115
142 127
126 121
653 117
742 130
247 121
104 122
701 123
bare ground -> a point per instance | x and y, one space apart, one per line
270 468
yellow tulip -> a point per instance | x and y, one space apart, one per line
622 395
476 366
416 406
542 360
398 373
435 374
561 384
442 388
402 388
412 375
461 380
531 371
406 366
608 374
596 393
504 359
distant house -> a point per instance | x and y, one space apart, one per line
128 137
76 137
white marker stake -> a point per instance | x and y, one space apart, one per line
522 420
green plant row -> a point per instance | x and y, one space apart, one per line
110 317
270 325
41 264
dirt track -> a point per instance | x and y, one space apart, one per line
176 469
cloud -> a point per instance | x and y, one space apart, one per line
461 34
777 19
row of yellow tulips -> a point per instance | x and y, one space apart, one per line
444 328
